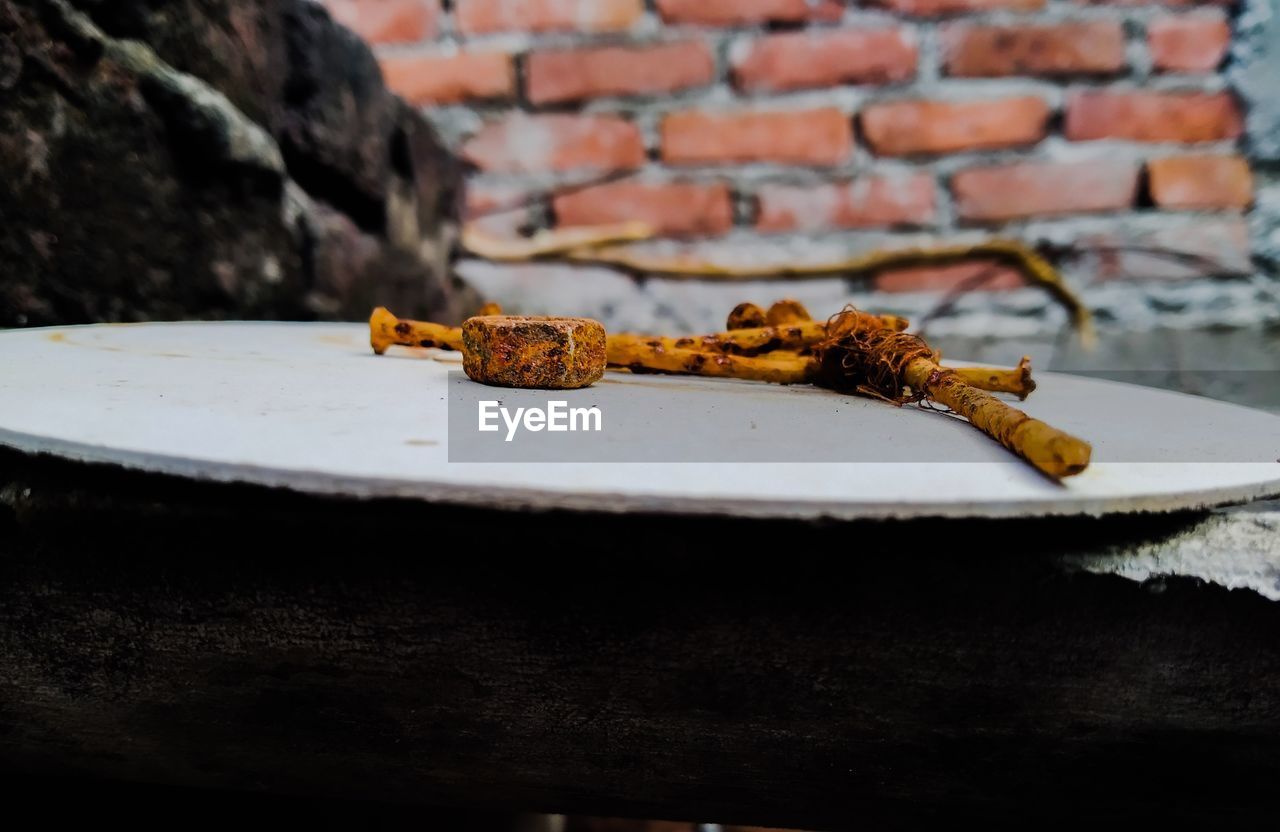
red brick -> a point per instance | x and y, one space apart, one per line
618 70
524 144
1095 47
1123 3
1214 246
1152 116
1200 182
934 8
388 21
867 201
1033 189
448 79
481 16
820 58
747 12
801 137
675 209
908 128
1188 44
993 277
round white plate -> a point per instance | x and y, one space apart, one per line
308 407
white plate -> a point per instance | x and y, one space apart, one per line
308 407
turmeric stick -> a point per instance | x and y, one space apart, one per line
386 329
745 316
786 311
779 347
654 355
998 380
902 367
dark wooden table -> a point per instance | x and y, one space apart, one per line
806 675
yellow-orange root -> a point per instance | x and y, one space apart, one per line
787 311
1052 451
653 356
902 367
550 242
798 336
1017 381
786 361
745 316
386 329
1035 269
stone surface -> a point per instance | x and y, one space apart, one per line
212 160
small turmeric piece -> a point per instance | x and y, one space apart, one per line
745 316
786 311
533 352
386 329
999 380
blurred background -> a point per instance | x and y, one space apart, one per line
1133 141
290 159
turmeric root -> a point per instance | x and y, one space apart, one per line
902 367
386 329
662 355
778 348
745 316
1035 269
653 355
998 380
787 311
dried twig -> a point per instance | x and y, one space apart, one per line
550 241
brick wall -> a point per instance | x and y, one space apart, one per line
783 130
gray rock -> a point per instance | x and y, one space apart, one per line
209 161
